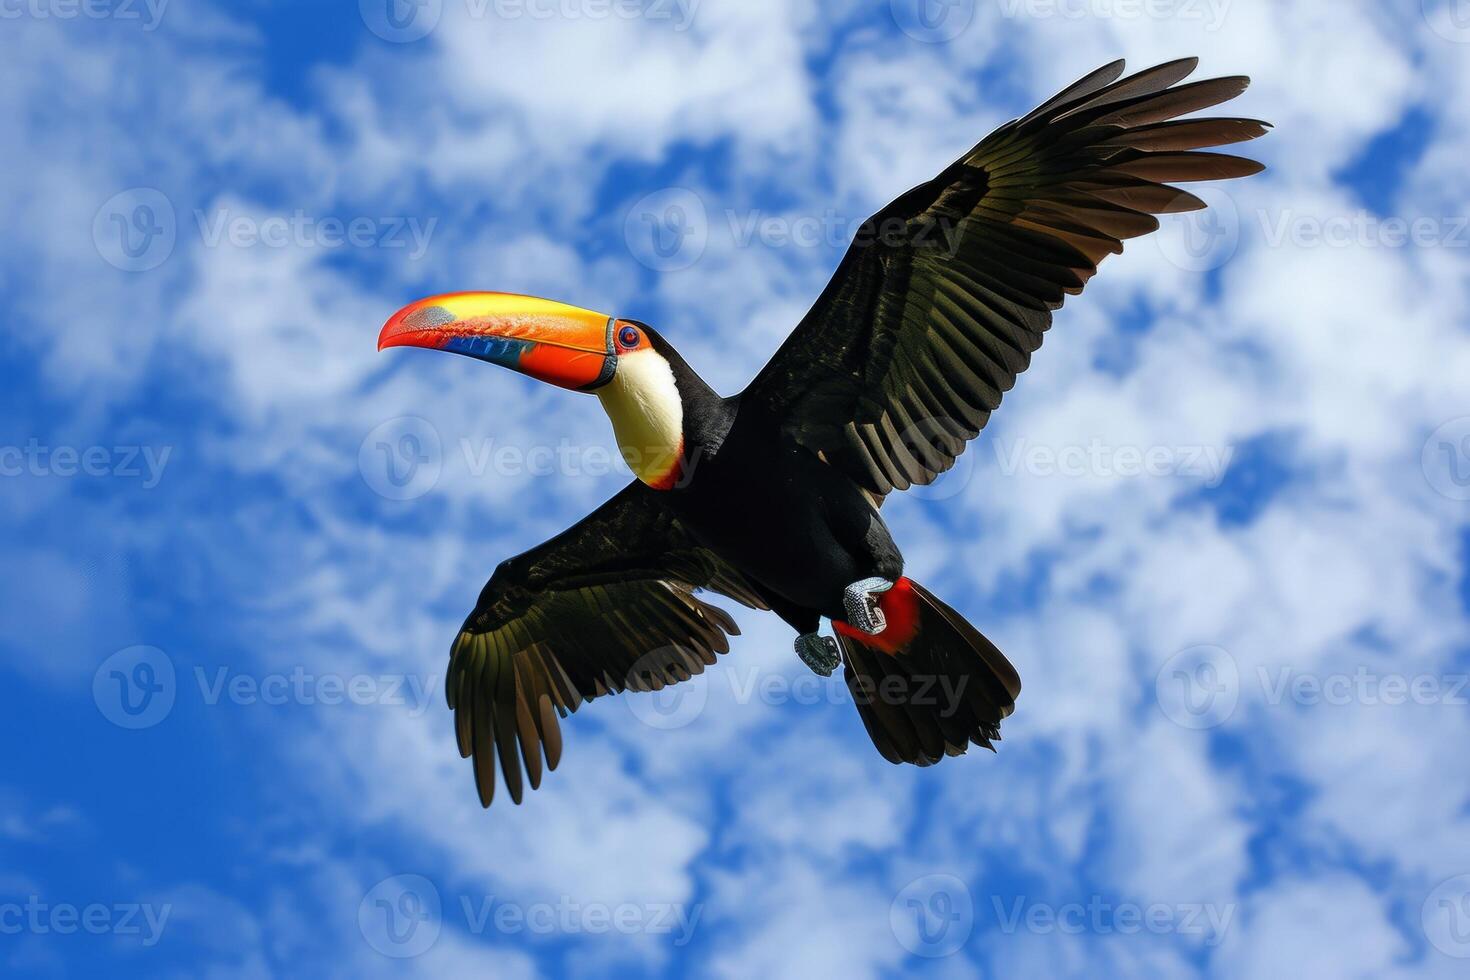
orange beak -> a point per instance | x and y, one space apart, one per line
552 342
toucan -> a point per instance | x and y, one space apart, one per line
771 497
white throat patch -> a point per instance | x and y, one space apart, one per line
647 414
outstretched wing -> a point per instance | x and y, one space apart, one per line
945 293
605 606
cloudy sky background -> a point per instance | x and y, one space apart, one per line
1220 526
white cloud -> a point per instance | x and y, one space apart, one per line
1333 926
795 922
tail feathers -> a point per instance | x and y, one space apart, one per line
930 685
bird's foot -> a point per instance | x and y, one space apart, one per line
860 599
818 652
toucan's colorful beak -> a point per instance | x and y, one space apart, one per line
553 342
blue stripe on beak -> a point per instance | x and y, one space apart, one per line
506 352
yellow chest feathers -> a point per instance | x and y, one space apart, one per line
647 415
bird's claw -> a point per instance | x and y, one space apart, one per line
818 652
860 599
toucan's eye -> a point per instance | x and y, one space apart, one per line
628 337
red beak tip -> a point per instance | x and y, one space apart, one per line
391 334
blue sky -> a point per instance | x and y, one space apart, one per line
1220 526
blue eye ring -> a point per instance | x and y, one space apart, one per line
628 337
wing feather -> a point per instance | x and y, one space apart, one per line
608 605
924 334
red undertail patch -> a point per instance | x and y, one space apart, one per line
901 608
